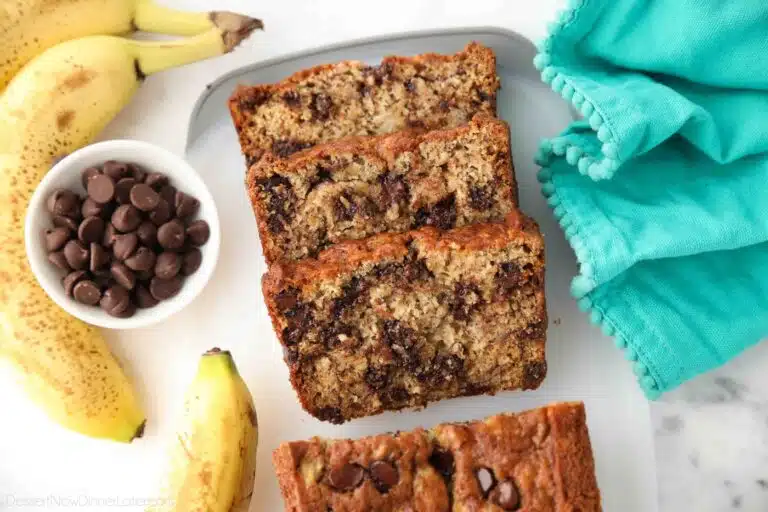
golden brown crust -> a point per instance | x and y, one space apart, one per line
246 99
543 454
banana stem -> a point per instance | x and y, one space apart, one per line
155 56
153 17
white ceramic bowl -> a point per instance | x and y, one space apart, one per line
67 174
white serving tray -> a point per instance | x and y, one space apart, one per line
583 364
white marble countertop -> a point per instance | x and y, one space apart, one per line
712 434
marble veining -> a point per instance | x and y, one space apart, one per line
712 439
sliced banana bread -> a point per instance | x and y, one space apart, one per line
535 461
398 320
351 98
360 186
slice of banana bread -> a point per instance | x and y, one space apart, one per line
398 320
329 102
360 186
535 461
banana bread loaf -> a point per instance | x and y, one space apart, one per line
397 320
360 186
350 98
535 461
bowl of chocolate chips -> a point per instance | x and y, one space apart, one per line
122 234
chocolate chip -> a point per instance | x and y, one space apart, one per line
87 174
64 202
347 477
285 148
330 414
509 276
123 190
71 279
171 234
168 193
147 233
321 105
55 238
292 99
186 205
91 230
505 495
393 189
99 257
163 289
287 299
115 300
191 262
533 373
128 312
125 245
126 218
441 215
156 180
145 275
198 232
467 299
485 480
442 461
377 377
143 197
61 221
345 208
142 259
161 214
480 198
123 275
115 170
101 189
58 259
86 292
76 254
533 331
110 234
384 475
144 299
137 172
168 265
91 208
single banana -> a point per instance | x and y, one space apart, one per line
213 457
57 104
29 27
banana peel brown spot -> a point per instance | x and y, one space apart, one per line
77 79
205 475
64 119
252 416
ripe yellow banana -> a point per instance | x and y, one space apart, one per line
29 27
58 103
213 458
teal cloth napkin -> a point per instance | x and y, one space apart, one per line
662 187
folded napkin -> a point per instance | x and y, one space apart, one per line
662 188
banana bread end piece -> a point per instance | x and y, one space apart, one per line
399 320
333 101
535 461
361 186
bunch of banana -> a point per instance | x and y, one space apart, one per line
29 27
56 104
213 456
